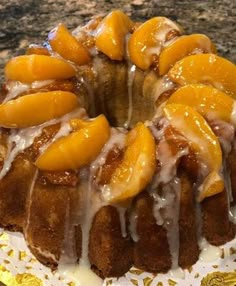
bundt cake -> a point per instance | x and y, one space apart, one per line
118 146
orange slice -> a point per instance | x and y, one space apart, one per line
208 69
136 169
34 109
111 32
78 149
148 39
63 43
207 100
183 47
31 68
204 142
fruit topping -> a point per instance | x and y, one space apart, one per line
111 33
148 39
34 109
182 47
203 141
208 101
78 149
136 169
207 69
31 68
63 43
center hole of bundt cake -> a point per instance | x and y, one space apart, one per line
122 92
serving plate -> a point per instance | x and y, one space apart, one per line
19 267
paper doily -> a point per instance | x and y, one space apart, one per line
19 267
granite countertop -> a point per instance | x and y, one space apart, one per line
28 21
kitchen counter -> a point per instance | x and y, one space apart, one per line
28 21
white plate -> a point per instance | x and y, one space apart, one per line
19 267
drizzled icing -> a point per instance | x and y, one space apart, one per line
209 253
130 82
160 37
133 219
92 198
166 212
15 88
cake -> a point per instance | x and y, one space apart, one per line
118 146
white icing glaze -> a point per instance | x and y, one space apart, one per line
64 130
178 273
160 37
167 162
92 199
133 219
117 139
130 82
68 251
225 132
15 88
232 214
29 204
44 253
166 212
80 274
122 215
164 84
92 203
41 83
209 253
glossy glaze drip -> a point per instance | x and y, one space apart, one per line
122 215
92 198
167 162
116 140
68 251
130 82
166 212
16 88
164 84
21 139
92 203
81 275
225 132
65 129
160 37
209 253
133 219
29 203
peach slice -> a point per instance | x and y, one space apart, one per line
204 142
148 39
111 32
207 100
34 109
30 68
207 69
212 185
136 169
183 47
78 149
63 43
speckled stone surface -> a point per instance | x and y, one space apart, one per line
28 21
